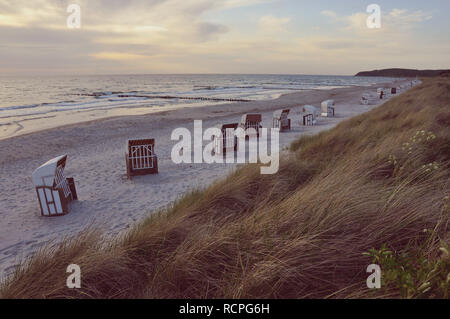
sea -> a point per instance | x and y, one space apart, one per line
41 97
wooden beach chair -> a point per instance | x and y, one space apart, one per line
251 121
369 98
141 158
365 100
328 108
309 115
387 92
281 121
228 141
53 189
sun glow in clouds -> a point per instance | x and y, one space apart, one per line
217 36
117 56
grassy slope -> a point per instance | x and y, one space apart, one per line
299 234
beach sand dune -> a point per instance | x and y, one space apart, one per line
96 160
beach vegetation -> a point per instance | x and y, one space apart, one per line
372 190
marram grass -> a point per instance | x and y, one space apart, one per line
375 189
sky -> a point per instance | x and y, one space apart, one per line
221 36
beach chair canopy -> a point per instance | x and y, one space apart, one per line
46 174
140 141
227 130
254 118
371 95
281 114
309 109
226 127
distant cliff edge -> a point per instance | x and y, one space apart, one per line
404 73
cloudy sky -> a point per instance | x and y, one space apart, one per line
221 36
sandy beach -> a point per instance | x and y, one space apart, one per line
95 152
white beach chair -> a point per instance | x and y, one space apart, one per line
369 98
309 115
328 109
387 92
281 120
365 100
53 189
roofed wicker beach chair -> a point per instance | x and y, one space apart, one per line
369 98
328 108
281 120
53 189
309 114
141 158
228 142
365 99
251 121
387 92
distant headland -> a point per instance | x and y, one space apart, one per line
405 73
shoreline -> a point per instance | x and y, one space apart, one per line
39 125
95 159
115 113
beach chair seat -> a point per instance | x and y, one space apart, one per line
141 158
365 100
53 189
308 120
252 121
229 141
281 120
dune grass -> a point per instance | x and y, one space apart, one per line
375 189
